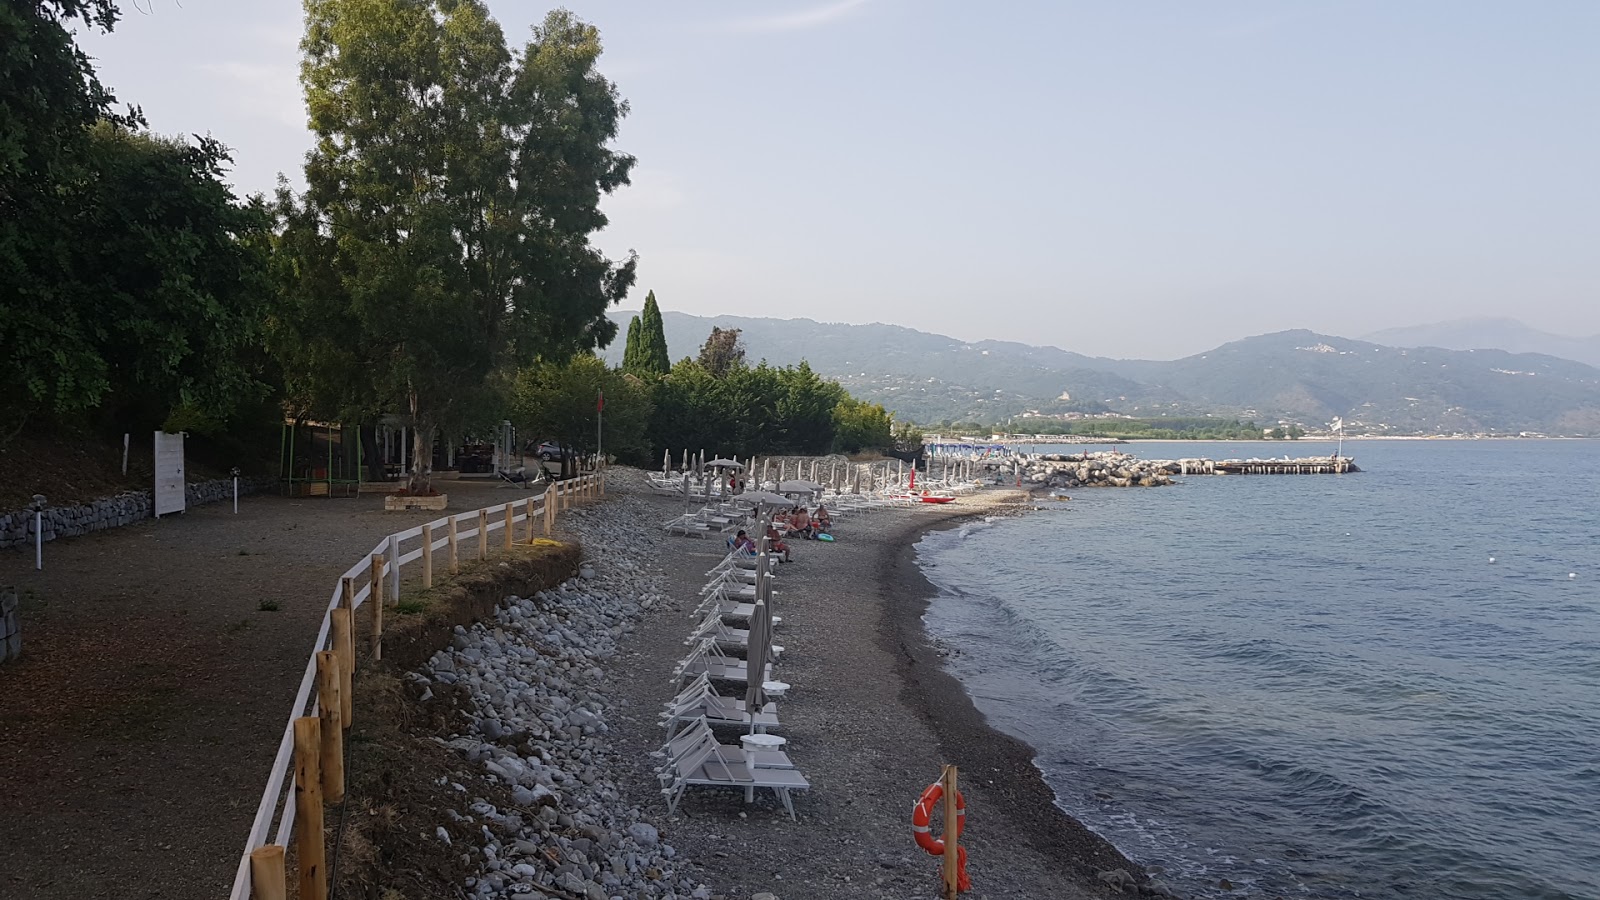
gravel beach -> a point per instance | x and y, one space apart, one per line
870 720
555 710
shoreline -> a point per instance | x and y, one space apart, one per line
872 717
963 730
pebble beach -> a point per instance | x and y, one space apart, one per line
558 710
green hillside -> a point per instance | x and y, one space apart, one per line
1294 376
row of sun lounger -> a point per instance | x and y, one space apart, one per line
734 617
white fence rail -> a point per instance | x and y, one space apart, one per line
278 800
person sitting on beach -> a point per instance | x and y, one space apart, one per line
821 521
741 543
775 543
800 523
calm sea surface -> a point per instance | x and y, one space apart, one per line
1314 686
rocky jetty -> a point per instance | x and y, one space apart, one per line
532 688
1104 469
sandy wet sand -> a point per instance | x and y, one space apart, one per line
871 718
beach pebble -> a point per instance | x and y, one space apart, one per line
1117 878
535 699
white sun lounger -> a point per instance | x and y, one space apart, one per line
696 731
709 660
730 609
699 699
702 766
724 634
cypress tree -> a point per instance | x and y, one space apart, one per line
630 351
653 356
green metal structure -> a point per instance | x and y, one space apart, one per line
320 459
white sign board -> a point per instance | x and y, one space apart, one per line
169 473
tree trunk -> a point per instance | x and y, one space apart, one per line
422 431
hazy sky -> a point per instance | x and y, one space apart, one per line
1118 178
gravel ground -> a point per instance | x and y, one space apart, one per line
135 733
137 729
869 722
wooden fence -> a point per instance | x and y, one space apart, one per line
311 748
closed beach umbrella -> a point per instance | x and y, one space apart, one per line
759 650
666 462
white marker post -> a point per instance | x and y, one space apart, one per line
38 531
236 490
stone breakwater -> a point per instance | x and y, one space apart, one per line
16 527
532 690
1105 469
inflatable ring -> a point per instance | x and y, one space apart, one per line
922 816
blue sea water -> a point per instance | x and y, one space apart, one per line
1314 686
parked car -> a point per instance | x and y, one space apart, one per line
549 450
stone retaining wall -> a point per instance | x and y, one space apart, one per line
16 527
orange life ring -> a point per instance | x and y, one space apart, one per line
922 815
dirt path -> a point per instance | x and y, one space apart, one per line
137 729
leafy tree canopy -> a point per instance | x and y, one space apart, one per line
558 401
132 277
450 200
722 352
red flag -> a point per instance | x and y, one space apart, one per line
600 402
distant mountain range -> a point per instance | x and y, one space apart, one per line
1497 334
1292 376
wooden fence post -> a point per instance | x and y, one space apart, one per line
308 841
511 514
952 825
375 576
549 509
331 713
342 635
530 520
483 534
267 878
347 600
455 556
376 602
427 555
